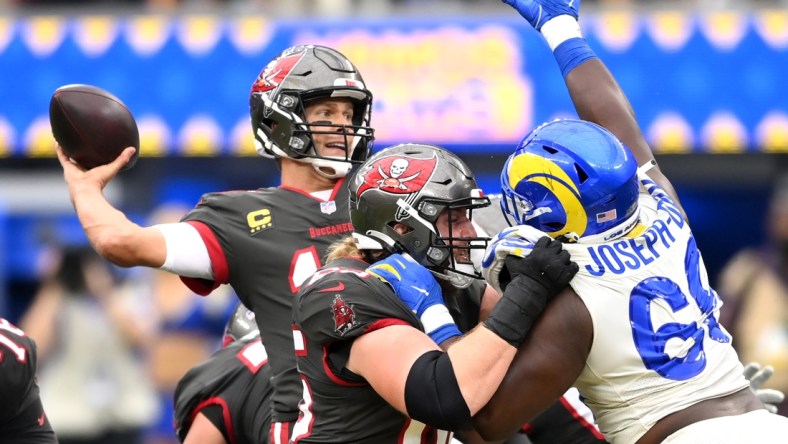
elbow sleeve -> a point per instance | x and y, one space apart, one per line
432 393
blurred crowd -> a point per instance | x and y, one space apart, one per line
113 345
754 288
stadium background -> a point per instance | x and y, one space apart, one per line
708 87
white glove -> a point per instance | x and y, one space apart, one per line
757 376
515 241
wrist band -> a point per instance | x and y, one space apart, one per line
572 53
438 323
444 333
559 29
435 316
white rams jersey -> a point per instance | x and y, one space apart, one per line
657 346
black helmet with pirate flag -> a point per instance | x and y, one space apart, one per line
412 184
280 94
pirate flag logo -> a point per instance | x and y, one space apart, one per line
276 72
344 316
398 174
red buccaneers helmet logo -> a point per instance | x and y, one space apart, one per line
276 72
398 174
344 316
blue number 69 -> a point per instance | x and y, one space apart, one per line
651 343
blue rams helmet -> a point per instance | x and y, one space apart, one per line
572 179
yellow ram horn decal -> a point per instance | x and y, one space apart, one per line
533 168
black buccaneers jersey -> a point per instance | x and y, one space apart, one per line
265 243
567 421
22 418
338 304
235 378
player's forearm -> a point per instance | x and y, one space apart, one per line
479 374
598 98
489 299
595 93
445 345
111 233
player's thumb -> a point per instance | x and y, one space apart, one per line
111 169
123 158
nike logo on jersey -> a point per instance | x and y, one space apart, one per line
339 287
41 420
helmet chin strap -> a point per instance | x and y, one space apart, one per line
325 167
464 278
330 169
458 280
334 169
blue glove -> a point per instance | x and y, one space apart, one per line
415 285
538 12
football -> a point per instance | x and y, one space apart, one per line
92 125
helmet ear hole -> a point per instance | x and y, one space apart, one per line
582 176
400 227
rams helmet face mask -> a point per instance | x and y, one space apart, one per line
281 93
572 179
242 326
413 184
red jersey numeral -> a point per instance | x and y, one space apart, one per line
18 350
303 264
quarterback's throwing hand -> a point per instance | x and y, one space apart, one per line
538 12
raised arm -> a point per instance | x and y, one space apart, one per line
598 98
596 95
109 231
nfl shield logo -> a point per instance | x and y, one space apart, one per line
328 207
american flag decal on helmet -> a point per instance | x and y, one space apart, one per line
606 216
